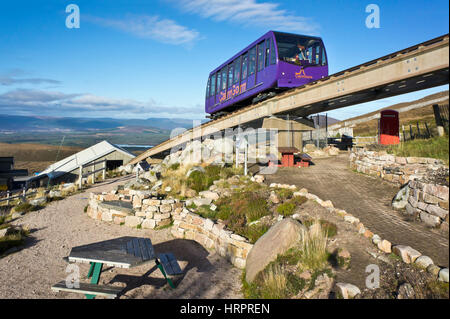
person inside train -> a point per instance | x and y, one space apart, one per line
301 55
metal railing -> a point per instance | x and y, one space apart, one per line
21 194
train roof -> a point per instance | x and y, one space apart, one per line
248 47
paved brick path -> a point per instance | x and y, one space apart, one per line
368 199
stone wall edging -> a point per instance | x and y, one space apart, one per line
150 213
235 248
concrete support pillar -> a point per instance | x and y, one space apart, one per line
289 131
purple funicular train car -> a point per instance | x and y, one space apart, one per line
276 61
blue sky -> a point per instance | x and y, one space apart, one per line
139 59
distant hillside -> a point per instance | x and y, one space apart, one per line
419 115
39 123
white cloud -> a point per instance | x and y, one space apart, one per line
34 102
11 78
250 12
151 27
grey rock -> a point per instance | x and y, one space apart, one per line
54 193
443 275
423 262
401 199
4 231
38 201
347 291
202 201
279 238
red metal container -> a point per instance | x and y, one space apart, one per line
389 127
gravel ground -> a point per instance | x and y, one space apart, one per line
30 272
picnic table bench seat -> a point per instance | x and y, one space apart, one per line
89 289
123 252
170 264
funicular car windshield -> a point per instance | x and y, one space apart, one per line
300 50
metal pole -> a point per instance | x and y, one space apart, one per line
7 197
81 177
24 196
245 157
104 170
326 129
317 132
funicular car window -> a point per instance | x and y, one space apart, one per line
213 85
219 82
273 56
266 58
260 56
296 49
224 78
244 66
208 87
252 62
237 70
230 75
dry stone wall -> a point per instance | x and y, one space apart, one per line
426 200
134 208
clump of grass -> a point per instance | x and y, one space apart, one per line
25 207
241 208
254 232
200 181
164 226
435 147
15 238
284 193
329 228
313 248
174 167
274 282
206 212
288 208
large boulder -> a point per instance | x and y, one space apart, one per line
38 201
277 240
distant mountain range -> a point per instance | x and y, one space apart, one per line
39 123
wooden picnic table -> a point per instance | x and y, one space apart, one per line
123 252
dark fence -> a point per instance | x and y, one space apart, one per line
417 131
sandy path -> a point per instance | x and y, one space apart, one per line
30 272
